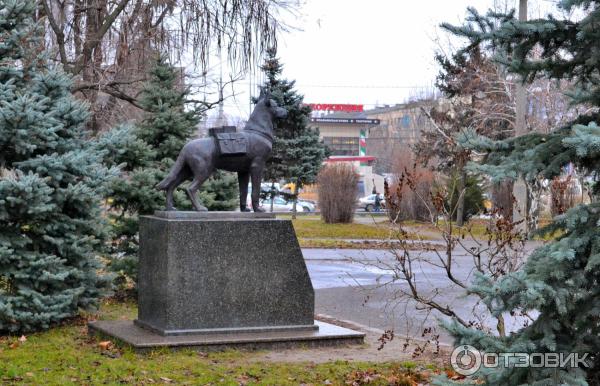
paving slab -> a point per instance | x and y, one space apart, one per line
141 339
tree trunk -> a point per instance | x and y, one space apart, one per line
92 59
295 198
502 199
534 197
500 326
460 204
272 194
521 204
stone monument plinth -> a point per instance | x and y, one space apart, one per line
202 272
231 279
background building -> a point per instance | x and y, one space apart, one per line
344 136
399 127
344 129
371 139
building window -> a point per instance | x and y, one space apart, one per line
342 145
406 121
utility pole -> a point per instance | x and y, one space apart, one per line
520 191
221 121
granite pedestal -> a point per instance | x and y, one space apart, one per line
204 276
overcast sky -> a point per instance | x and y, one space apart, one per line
371 53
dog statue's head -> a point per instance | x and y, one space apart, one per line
271 104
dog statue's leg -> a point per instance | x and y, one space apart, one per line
182 176
243 179
191 190
256 173
201 167
170 206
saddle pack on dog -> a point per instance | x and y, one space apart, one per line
229 141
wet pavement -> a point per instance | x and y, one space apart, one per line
361 286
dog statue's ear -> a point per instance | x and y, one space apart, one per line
268 93
265 93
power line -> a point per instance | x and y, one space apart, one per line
361 86
383 105
356 86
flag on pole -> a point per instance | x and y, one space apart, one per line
362 145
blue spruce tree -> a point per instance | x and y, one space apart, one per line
560 280
51 184
298 153
146 152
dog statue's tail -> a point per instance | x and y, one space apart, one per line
172 176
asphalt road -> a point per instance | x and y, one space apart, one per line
359 285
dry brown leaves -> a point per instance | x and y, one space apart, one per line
397 377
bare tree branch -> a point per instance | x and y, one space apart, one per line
95 40
60 36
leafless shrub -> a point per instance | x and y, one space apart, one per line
420 281
563 195
337 189
409 191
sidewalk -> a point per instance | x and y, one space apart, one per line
395 350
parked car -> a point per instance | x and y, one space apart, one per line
266 186
368 202
305 206
281 205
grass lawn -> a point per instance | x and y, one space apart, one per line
317 229
286 216
67 356
477 228
312 232
370 244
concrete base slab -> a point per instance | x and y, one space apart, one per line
191 215
141 339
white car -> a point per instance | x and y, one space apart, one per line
266 187
281 205
305 206
368 202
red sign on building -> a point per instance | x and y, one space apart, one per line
336 107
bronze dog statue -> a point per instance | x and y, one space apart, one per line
199 158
